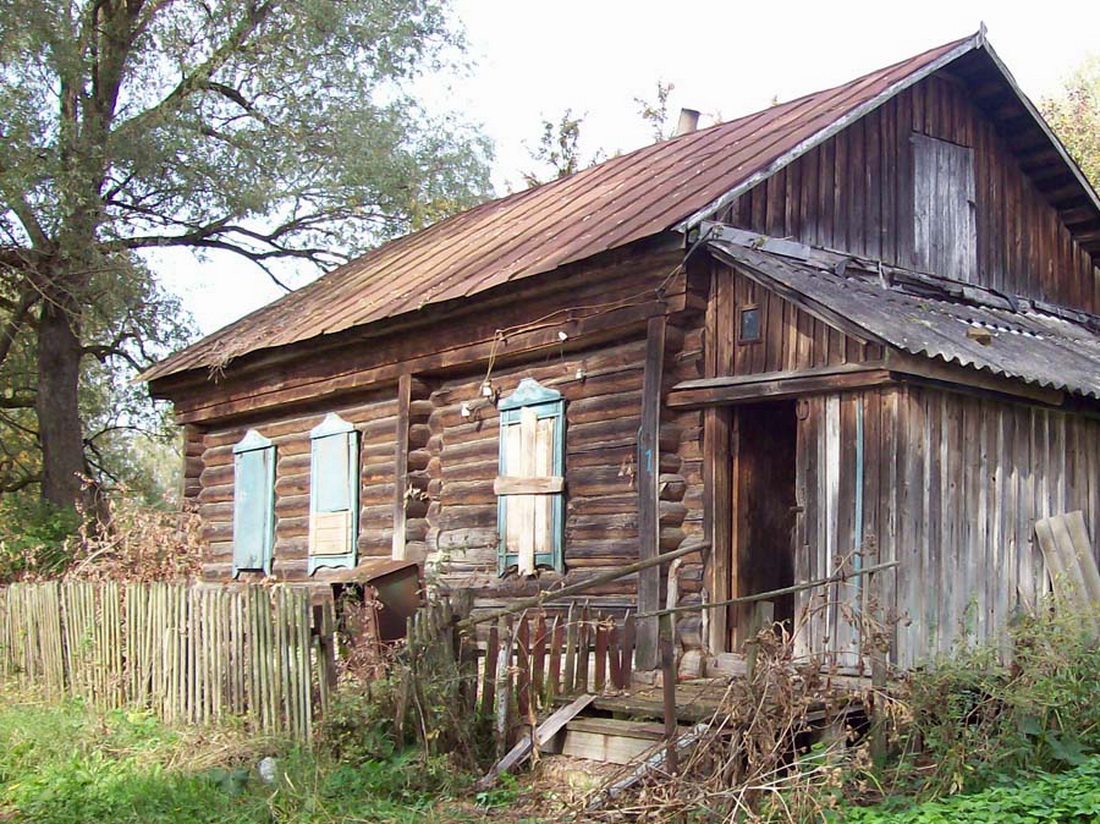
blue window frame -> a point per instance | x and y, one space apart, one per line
530 489
253 503
333 494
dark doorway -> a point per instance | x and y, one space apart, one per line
764 507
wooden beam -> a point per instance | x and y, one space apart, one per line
731 389
649 580
401 465
546 731
520 604
515 485
584 332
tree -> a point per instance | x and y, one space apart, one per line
1074 114
559 150
271 129
655 112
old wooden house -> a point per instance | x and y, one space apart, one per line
863 323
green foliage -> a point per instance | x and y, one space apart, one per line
1074 114
655 112
559 150
1072 796
978 718
67 765
32 536
271 130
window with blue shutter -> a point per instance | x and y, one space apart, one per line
531 486
253 503
333 494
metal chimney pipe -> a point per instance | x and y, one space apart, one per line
689 122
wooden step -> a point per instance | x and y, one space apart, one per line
606 739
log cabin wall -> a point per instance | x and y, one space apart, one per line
602 391
375 418
448 505
855 193
949 484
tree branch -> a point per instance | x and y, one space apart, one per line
199 78
20 312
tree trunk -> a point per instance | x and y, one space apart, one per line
59 428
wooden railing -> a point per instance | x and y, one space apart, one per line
527 660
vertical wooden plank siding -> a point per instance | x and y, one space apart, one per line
961 480
851 201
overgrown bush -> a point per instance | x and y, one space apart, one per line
984 713
126 539
1072 796
34 537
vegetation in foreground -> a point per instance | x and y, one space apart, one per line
65 764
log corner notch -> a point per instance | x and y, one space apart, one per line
410 462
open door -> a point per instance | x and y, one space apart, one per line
765 438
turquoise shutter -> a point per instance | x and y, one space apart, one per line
333 494
253 503
546 408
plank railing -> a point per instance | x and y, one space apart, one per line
529 660
188 653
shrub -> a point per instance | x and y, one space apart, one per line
976 718
1072 796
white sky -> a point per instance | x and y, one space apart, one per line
535 59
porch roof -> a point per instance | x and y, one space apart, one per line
924 315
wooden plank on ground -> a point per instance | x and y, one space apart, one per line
547 730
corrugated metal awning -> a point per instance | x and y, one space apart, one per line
936 318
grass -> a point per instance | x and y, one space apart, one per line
1072 796
66 764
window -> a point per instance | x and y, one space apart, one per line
748 324
531 486
945 241
253 503
333 494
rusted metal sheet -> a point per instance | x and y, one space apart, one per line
625 199
936 318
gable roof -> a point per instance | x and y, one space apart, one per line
666 186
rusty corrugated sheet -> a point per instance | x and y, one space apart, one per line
1025 343
622 200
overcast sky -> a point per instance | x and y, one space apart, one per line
533 60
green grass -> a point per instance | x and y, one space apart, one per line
62 764
1061 798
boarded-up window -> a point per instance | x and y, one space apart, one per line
253 503
333 494
531 486
944 233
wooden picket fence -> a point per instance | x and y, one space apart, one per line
189 653
528 660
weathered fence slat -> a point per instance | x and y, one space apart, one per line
191 654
